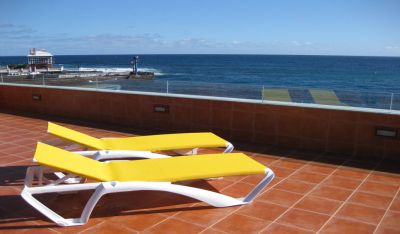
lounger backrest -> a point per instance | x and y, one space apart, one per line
60 159
75 136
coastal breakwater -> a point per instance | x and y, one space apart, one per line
72 77
66 81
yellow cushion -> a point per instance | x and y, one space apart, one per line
146 143
162 169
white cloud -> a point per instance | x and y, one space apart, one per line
18 39
14 31
393 48
301 43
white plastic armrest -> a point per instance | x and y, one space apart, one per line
229 147
119 154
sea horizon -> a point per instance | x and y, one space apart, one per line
247 54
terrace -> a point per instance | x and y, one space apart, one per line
333 174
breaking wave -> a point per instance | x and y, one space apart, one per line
116 70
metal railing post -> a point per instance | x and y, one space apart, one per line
2 81
391 101
43 83
167 86
262 94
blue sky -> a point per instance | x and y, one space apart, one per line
340 27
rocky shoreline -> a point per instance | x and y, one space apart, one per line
74 81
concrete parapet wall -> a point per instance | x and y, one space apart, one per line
338 132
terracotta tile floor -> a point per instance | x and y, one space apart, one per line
321 194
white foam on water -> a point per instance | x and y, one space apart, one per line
104 69
117 70
156 72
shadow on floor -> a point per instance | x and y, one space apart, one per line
16 214
12 175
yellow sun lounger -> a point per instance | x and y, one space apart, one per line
325 97
124 176
280 95
141 144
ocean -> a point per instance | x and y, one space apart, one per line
353 73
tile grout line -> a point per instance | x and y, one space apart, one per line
230 213
310 211
51 229
348 198
11 163
233 184
346 218
365 205
306 194
372 193
172 216
94 226
219 230
244 215
387 210
293 226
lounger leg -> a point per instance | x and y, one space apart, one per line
269 176
28 192
212 198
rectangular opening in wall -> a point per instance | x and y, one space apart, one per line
36 97
386 132
161 108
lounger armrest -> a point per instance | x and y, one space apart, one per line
229 147
120 154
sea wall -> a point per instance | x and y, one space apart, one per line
337 132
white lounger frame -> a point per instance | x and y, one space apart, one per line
102 188
120 154
117 154
106 155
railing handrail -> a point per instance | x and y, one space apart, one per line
377 100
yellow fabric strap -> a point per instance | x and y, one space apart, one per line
326 97
281 95
63 160
75 136
162 169
165 142
146 143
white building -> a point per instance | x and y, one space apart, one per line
40 59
